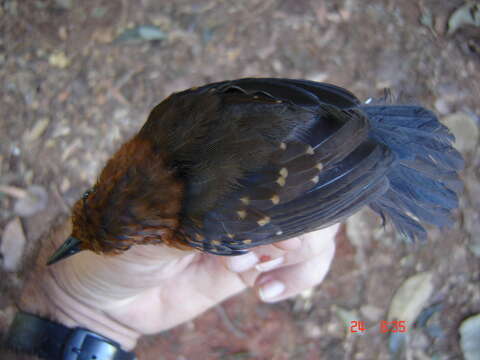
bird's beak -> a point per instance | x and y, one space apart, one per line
70 247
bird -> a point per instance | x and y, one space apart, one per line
231 165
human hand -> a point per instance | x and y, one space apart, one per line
152 288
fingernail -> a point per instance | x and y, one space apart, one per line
290 244
271 290
242 263
269 265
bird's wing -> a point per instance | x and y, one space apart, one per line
298 91
313 178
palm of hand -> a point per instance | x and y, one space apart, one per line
152 288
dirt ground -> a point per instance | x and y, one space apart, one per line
72 91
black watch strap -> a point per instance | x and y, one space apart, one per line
49 340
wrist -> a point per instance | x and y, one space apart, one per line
46 297
46 339
50 292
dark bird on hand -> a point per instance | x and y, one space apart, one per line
232 165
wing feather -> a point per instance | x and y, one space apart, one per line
317 173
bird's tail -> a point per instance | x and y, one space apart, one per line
424 180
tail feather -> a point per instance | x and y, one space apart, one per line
429 169
407 145
424 189
428 213
424 181
413 131
405 224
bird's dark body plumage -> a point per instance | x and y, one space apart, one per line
260 160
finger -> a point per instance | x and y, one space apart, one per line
269 257
287 281
245 265
312 245
290 244
260 254
241 263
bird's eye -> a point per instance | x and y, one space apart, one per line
86 194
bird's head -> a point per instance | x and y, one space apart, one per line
136 200
88 232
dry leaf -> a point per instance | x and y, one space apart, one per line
347 316
465 129
142 33
411 297
468 14
35 200
59 59
470 337
13 244
37 130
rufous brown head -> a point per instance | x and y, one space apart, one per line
136 200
